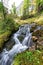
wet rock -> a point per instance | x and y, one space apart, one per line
40 42
34 38
33 27
9 44
40 45
38 33
41 38
32 48
21 38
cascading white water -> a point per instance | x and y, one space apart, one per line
7 56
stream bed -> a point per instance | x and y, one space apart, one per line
22 40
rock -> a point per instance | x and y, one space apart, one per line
41 38
34 38
32 48
33 27
9 44
38 33
40 42
21 38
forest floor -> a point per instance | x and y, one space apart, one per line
37 19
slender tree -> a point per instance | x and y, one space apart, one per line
14 8
4 9
26 7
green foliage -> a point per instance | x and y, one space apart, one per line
29 58
6 25
6 28
3 10
39 5
15 25
9 24
1 7
26 8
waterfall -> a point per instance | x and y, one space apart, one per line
7 56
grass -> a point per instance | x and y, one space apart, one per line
29 58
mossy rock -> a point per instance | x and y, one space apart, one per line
3 38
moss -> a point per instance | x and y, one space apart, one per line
37 19
3 38
29 58
6 27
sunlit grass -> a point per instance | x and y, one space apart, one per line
37 19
